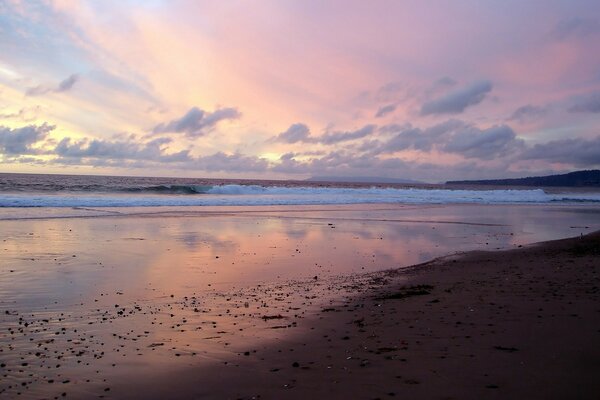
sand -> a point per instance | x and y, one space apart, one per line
297 303
513 324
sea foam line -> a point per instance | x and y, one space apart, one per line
250 195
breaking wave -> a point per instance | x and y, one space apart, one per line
250 195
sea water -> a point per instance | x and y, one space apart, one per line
23 190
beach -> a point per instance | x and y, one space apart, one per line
287 302
509 324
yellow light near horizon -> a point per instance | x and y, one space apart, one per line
270 156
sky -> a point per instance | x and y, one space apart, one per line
423 90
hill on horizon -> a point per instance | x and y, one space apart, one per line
361 179
587 178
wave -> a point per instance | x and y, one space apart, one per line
256 195
168 189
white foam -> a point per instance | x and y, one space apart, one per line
241 195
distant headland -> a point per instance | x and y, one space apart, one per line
589 178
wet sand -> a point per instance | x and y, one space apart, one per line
296 306
516 324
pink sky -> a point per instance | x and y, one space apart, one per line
427 90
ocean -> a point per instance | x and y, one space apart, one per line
32 190
103 277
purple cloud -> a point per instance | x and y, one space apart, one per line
382 111
298 132
63 86
20 140
527 113
577 151
120 150
587 104
197 122
457 101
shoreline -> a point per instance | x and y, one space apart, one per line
223 306
519 323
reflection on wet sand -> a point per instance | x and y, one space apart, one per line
85 300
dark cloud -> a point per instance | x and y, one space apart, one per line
579 152
67 84
197 122
63 86
301 133
452 136
295 133
382 111
20 140
336 137
408 137
128 153
343 163
484 144
230 162
153 150
576 27
287 156
587 104
457 101
527 113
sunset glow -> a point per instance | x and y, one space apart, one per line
424 90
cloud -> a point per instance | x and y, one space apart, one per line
130 154
197 122
389 91
67 84
575 27
232 163
484 144
119 150
336 137
451 136
587 104
579 152
295 133
527 113
345 163
63 86
299 132
445 81
457 101
408 137
20 140
25 114
382 111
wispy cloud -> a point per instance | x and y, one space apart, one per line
63 86
527 112
384 110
